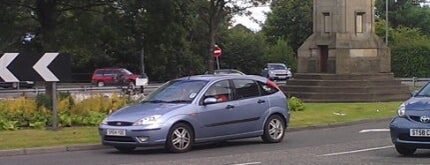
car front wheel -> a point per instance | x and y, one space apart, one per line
274 129
404 150
180 138
100 84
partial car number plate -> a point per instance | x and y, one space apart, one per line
116 132
419 132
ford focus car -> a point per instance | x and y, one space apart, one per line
197 109
410 129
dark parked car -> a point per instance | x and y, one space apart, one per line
15 85
198 109
113 76
410 129
276 71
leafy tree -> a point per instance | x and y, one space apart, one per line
291 20
405 13
215 14
243 50
281 52
410 52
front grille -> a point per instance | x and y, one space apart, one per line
119 123
410 138
119 138
280 74
415 118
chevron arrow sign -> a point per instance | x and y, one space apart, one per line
28 66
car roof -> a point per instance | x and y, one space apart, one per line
214 77
275 64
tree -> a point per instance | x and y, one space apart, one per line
243 50
290 20
215 14
281 52
405 13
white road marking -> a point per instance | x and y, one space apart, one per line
374 130
250 163
356 151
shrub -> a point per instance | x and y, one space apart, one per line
295 104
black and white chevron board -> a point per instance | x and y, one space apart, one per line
28 66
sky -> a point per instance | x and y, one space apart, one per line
258 13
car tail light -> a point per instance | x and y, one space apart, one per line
272 84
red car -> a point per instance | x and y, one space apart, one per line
113 76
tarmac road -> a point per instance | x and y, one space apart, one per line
363 143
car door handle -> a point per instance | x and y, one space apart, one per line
229 107
261 101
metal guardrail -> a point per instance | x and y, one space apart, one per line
6 93
414 82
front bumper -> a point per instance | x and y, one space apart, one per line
400 133
154 136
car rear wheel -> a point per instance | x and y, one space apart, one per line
125 149
274 129
404 150
100 84
180 138
15 85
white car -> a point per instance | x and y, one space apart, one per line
276 71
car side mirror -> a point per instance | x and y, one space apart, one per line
209 100
413 93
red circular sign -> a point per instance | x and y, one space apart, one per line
216 51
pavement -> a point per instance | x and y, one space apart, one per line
84 147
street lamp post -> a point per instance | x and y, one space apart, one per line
386 21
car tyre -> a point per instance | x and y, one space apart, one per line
125 149
132 84
14 85
180 138
404 150
274 129
100 84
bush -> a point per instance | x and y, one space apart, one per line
37 113
295 104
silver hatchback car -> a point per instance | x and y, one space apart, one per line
197 109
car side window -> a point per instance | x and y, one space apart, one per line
267 89
246 88
221 91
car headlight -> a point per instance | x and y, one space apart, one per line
401 111
147 120
104 121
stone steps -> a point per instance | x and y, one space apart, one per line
313 87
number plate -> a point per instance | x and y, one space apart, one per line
419 132
116 132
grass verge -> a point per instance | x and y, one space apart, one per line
314 114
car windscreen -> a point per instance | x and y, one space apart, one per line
277 67
127 72
425 91
176 91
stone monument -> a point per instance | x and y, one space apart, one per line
344 60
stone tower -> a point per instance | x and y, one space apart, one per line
344 60
344 40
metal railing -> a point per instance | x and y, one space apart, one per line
414 82
78 89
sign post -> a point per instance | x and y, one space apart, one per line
216 53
